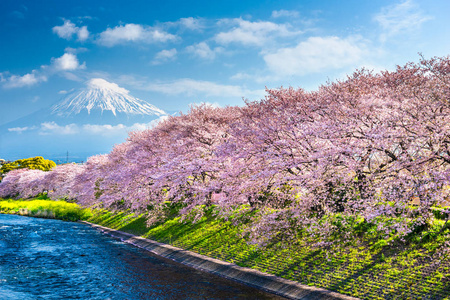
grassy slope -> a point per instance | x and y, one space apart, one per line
368 272
358 269
44 208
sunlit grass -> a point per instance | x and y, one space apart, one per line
44 209
366 268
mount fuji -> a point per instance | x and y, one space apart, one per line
85 122
101 101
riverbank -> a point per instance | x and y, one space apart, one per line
42 207
417 269
273 284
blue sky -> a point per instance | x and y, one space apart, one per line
174 53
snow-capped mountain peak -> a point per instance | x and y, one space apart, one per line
99 83
101 95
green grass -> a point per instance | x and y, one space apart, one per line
368 268
365 268
44 208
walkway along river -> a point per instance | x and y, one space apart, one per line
52 259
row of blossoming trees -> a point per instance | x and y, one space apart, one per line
375 146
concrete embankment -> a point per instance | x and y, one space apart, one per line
283 287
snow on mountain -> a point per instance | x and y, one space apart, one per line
101 95
86 122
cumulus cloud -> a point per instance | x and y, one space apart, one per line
120 129
315 55
189 23
48 128
67 62
52 128
83 33
133 33
69 29
252 33
102 129
165 56
401 18
202 50
27 80
62 65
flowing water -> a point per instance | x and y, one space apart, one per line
52 259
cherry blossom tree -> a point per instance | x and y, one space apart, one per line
22 183
372 148
59 182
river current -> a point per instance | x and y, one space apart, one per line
52 259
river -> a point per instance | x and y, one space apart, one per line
52 259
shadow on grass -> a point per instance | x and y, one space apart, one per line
369 276
138 226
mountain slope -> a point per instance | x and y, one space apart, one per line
86 122
104 96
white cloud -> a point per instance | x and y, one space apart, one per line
68 29
65 31
285 13
48 128
119 129
102 129
144 126
165 56
67 62
241 76
75 50
191 87
316 54
63 92
95 129
83 33
191 23
52 128
19 130
253 33
202 50
215 104
257 76
17 81
61 65
401 18
133 33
